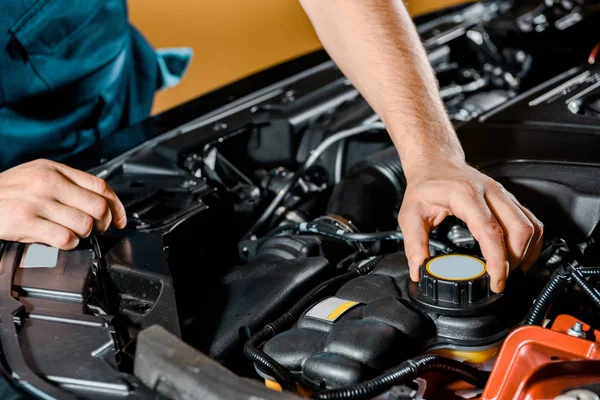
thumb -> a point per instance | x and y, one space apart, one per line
416 240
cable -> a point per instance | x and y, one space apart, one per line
314 228
407 371
542 304
266 363
336 137
555 286
453 90
590 271
590 291
315 155
339 162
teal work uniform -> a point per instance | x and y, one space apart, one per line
73 72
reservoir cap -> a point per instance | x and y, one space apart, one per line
453 284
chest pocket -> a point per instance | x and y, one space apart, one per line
67 40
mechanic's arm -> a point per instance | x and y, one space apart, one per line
376 45
46 202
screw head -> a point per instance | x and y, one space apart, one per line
577 330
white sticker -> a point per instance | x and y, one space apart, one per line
39 256
331 309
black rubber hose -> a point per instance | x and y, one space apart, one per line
370 191
590 291
407 371
314 156
364 237
266 363
557 283
591 271
351 236
555 286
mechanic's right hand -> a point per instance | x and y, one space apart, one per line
46 202
509 235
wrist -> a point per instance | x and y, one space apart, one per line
423 165
420 156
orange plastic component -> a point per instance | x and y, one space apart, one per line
277 387
539 363
472 357
273 385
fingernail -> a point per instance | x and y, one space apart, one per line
123 222
500 283
413 265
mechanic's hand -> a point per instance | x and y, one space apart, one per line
509 235
46 202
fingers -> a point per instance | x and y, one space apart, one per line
85 201
46 202
78 222
99 187
23 224
517 226
416 238
470 206
537 242
50 233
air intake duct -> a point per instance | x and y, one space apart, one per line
368 195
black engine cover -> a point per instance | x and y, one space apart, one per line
371 323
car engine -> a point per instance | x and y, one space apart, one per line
263 258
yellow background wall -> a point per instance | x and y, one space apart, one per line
231 38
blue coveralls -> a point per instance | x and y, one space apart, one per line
71 73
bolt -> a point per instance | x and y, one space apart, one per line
521 56
189 183
219 126
577 330
555 259
578 394
289 97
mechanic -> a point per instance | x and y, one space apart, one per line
72 72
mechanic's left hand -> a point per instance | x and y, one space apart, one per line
509 235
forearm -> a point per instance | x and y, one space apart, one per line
375 44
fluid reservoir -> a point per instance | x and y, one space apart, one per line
453 284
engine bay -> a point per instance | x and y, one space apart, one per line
263 256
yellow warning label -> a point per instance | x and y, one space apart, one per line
331 308
340 310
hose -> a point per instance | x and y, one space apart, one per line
555 286
406 371
590 271
293 179
369 192
453 90
590 291
339 162
266 363
353 237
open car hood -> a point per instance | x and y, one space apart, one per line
262 257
